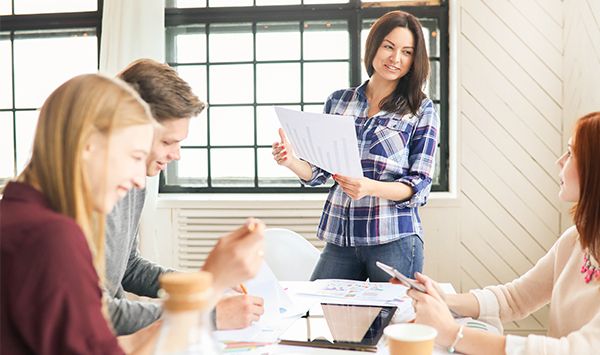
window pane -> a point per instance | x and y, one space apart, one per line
272 174
56 67
315 108
232 125
26 122
277 2
6 145
325 1
38 7
191 47
322 79
198 130
230 42
268 124
5 7
231 84
326 40
432 86
195 75
5 73
192 168
278 83
229 3
232 167
278 41
186 3
430 33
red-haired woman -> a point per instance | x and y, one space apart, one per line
567 277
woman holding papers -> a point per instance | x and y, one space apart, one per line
567 277
375 218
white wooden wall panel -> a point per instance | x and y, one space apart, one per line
509 104
581 60
510 75
526 69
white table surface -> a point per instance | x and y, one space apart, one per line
290 286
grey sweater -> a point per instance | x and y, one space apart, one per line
127 270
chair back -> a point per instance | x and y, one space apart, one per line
289 255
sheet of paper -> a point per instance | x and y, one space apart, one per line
266 285
357 290
279 310
361 292
327 141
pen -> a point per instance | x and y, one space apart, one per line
250 230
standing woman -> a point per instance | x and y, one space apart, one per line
91 143
375 218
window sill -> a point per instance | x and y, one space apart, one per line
436 199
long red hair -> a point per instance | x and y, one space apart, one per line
586 149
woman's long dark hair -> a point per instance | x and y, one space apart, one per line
408 95
586 151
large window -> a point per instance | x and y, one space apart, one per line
41 46
240 56
244 60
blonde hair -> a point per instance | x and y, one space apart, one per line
81 106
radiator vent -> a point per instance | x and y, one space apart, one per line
198 229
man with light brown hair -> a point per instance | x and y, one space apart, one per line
173 104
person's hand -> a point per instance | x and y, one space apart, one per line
141 342
356 188
283 153
435 285
237 312
431 309
237 256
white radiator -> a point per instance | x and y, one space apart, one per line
195 230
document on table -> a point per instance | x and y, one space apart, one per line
279 310
326 141
365 291
362 292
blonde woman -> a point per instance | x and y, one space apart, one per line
52 216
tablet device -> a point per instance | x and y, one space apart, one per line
340 326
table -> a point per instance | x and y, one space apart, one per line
291 287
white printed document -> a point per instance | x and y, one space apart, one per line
326 141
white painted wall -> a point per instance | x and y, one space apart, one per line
521 72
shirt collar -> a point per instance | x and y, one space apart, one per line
361 91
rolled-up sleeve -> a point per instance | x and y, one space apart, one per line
489 308
318 177
421 158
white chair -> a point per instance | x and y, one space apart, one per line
289 255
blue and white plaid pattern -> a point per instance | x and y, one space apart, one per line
392 148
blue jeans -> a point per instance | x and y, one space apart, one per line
358 263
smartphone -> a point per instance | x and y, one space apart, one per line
398 275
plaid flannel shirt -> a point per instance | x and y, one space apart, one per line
392 148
